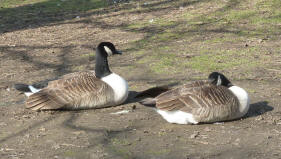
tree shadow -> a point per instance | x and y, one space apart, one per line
54 12
105 138
44 13
24 131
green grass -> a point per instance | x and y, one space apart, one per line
238 24
24 13
53 5
117 146
221 60
223 23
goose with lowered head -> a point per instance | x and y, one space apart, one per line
212 100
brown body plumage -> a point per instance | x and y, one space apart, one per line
73 91
211 100
89 89
205 101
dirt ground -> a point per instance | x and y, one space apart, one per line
44 47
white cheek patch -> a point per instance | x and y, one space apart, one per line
108 51
219 81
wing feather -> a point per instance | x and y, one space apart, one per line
73 90
205 101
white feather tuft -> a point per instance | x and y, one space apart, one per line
32 89
178 117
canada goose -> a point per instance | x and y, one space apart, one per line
81 90
212 100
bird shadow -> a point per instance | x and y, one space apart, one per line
258 108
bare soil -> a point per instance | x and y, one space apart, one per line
38 52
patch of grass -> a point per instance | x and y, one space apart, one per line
224 59
117 141
158 22
54 5
90 55
162 61
164 65
236 15
70 153
16 3
166 36
16 15
225 38
118 147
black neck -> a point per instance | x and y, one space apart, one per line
102 68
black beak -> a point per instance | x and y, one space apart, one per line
118 52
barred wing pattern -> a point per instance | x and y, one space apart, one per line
81 89
207 103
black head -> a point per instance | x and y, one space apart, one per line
217 78
104 50
107 49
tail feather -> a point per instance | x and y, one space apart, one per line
26 89
152 92
37 101
22 87
43 101
151 102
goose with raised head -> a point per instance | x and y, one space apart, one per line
212 100
81 90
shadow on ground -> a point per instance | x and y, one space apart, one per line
258 108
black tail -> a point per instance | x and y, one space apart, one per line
152 92
22 87
147 97
150 102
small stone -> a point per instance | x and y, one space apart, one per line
26 116
134 107
236 142
56 146
193 136
260 40
42 129
3 124
269 137
207 129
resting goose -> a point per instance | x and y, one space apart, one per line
212 100
81 90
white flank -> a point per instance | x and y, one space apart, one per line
28 93
32 89
243 98
119 86
178 117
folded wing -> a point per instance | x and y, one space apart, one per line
81 89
